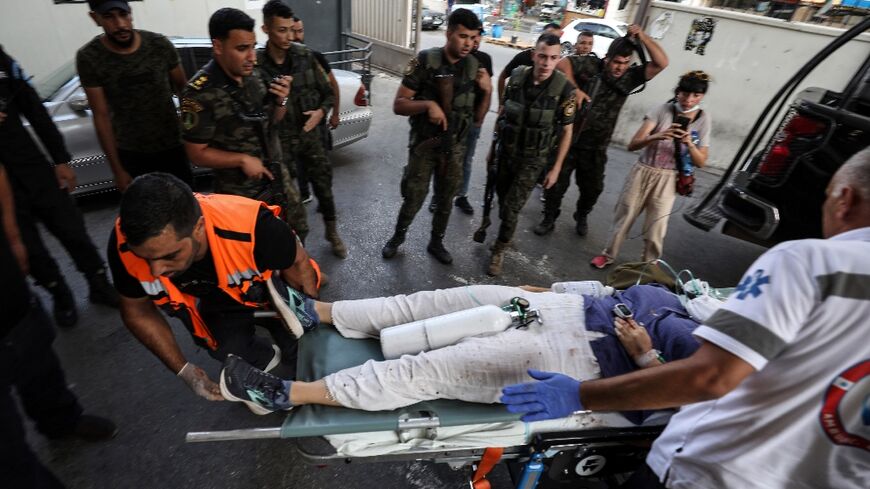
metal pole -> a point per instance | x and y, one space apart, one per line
417 23
230 435
640 13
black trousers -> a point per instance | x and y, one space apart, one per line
173 161
38 199
28 363
589 164
233 326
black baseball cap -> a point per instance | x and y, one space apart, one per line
103 6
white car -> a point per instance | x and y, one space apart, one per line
65 100
605 32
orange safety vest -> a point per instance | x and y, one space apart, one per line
229 227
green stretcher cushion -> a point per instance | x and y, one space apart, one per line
324 351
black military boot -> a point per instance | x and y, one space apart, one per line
546 226
389 250
436 249
65 313
582 226
102 292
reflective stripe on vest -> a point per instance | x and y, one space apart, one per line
230 222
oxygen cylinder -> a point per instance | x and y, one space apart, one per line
586 287
440 331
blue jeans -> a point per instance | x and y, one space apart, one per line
470 144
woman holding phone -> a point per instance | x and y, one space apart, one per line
671 133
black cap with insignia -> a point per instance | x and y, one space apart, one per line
103 6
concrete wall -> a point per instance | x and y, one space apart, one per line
749 58
42 35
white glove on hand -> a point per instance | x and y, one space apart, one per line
198 381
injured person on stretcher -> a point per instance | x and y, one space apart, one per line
579 335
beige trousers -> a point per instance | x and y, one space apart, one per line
648 189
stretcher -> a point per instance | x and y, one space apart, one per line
585 445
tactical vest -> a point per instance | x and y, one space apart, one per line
584 69
229 225
303 90
529 126
463 96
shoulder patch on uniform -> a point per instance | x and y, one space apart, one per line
569 106
413 63
190 113
198 82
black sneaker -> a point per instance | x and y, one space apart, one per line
307 199
582 226
546 226
102 291
262 392
64 307
88 428
433 206
94 428
464 205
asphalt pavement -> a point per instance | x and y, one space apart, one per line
115 376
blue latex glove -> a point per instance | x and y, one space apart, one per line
555 396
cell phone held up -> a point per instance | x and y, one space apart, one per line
683 122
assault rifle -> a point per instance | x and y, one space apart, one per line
272 191
489 193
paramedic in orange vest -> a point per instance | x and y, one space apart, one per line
204 259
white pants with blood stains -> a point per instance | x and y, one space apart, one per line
475 369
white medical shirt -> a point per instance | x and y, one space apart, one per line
801 318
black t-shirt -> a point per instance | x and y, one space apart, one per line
321 59
274 249
523 58
484 59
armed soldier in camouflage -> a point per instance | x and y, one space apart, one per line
438 94
229 115
311 99
608 89
538 111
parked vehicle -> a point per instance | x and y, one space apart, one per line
549 11
66 102
605 32
431 19
775 194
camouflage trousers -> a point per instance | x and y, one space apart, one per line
421 168
516 179
282 192
589 163
308 149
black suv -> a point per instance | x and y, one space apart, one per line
775 194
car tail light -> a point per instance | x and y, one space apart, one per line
789 142
361 99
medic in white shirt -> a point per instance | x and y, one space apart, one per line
778 394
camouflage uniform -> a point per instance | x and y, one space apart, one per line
528 130
218 112
588 154
424 155
310 90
